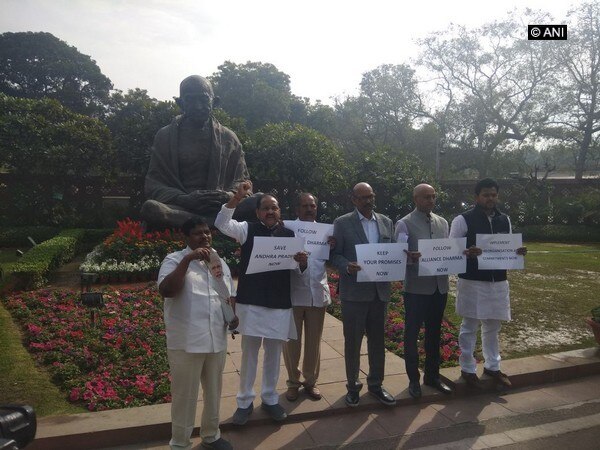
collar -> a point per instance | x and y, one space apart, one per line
422 215
361 217
495 211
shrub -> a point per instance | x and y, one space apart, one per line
33 268
17 236
559 233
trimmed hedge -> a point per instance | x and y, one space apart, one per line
17 236
32 270
559 233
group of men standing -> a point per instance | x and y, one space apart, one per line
194 170
275 308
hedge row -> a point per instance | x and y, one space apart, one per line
33 269
17 236
559 233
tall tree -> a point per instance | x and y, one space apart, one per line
133 120
255 91
390 101
578 121
37 65
42 137
498 83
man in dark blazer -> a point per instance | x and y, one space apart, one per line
364 305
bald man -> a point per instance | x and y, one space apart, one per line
364 305
424 297
196 163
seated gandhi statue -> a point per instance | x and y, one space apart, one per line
195 164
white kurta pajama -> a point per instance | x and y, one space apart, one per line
480 302
196 348
259 325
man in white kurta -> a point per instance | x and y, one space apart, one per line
263 305
196 337
310 297
482 295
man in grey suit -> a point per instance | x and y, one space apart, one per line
364 305
424 297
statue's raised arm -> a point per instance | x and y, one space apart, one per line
196 163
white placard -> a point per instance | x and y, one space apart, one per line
315 235
274 253
381 262
499 251
442 256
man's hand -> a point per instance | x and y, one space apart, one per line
234 323
201 254
413 256
472 252
522 251
244 190
352 268
302 259
331 242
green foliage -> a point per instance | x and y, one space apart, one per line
17 236
33 268
236 124
257 92
393 175
51 150
296 157
559 233
38 65
133 121
44 137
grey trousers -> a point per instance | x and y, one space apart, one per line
361 318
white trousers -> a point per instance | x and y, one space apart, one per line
188 370
490 330
270 375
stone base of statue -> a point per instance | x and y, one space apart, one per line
159 216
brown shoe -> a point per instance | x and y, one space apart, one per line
292 394
471 378
313 392
501 378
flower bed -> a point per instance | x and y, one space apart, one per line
120 362
394 327
131 254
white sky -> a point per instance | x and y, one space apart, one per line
323 45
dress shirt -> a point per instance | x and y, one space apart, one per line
310 288
370 227
194 319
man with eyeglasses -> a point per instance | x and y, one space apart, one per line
263 303
364 305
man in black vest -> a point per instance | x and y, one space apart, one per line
482 295
263 303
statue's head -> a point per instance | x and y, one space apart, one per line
196 98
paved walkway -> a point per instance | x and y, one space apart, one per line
329 422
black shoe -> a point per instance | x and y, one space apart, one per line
383 396
219 444
436 383
352 398
240 417
276 412
414 389
500 377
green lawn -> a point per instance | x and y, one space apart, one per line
21 381
549 300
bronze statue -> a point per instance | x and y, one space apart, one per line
196 163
